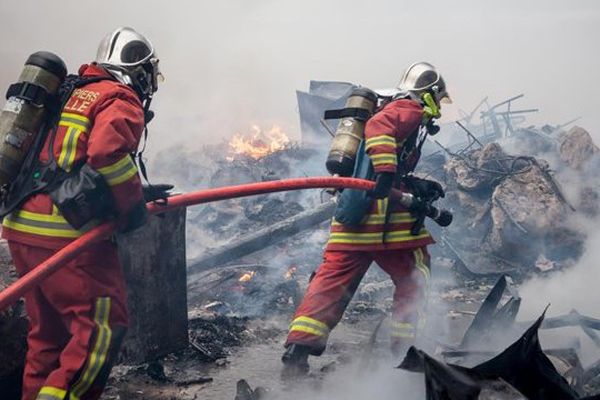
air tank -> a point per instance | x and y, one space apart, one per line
27 109
350 132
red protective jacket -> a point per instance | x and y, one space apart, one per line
101 124
386 229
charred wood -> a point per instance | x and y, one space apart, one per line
259 240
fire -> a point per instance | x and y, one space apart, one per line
259 143
290 273
247 277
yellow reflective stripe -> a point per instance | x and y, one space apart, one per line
424 269
120 171
387 158
403 330
375 237
98 356
109 169
383 140
420 264
41 217
378 219
405 335
82 119
72 125
40 224
309 325
405 236
65 145
397 218
51 393
307 329
74 121
312 321
402 325
69 149
382 206
382 155
41 231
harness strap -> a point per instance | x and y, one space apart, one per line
37 95
159 196
359 114
35 176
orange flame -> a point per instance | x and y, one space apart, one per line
247 277
259 143
290 273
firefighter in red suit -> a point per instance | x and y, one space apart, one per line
384 235
78 316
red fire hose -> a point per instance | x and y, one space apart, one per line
15 291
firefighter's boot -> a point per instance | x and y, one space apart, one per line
295 361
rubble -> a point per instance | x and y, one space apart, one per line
509 207
577 147
525 209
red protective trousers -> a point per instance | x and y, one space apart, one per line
78 317
336 281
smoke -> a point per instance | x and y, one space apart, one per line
573 287
231 64
379 381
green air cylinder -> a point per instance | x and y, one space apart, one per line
350 132
26 110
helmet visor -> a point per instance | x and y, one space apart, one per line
135 53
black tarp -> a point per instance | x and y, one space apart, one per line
523 365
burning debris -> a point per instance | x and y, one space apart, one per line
246 290
259 144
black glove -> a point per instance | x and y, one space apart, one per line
383 184
160 191
425 188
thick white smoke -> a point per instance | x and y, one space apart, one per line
230 64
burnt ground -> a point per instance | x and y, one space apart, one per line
225 348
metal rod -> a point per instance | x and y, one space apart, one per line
469 133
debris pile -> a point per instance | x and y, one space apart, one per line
577 148
513 209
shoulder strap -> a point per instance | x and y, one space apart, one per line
350 112
158 195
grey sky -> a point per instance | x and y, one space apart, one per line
235 62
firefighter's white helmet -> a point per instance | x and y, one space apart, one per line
131 58
423 77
